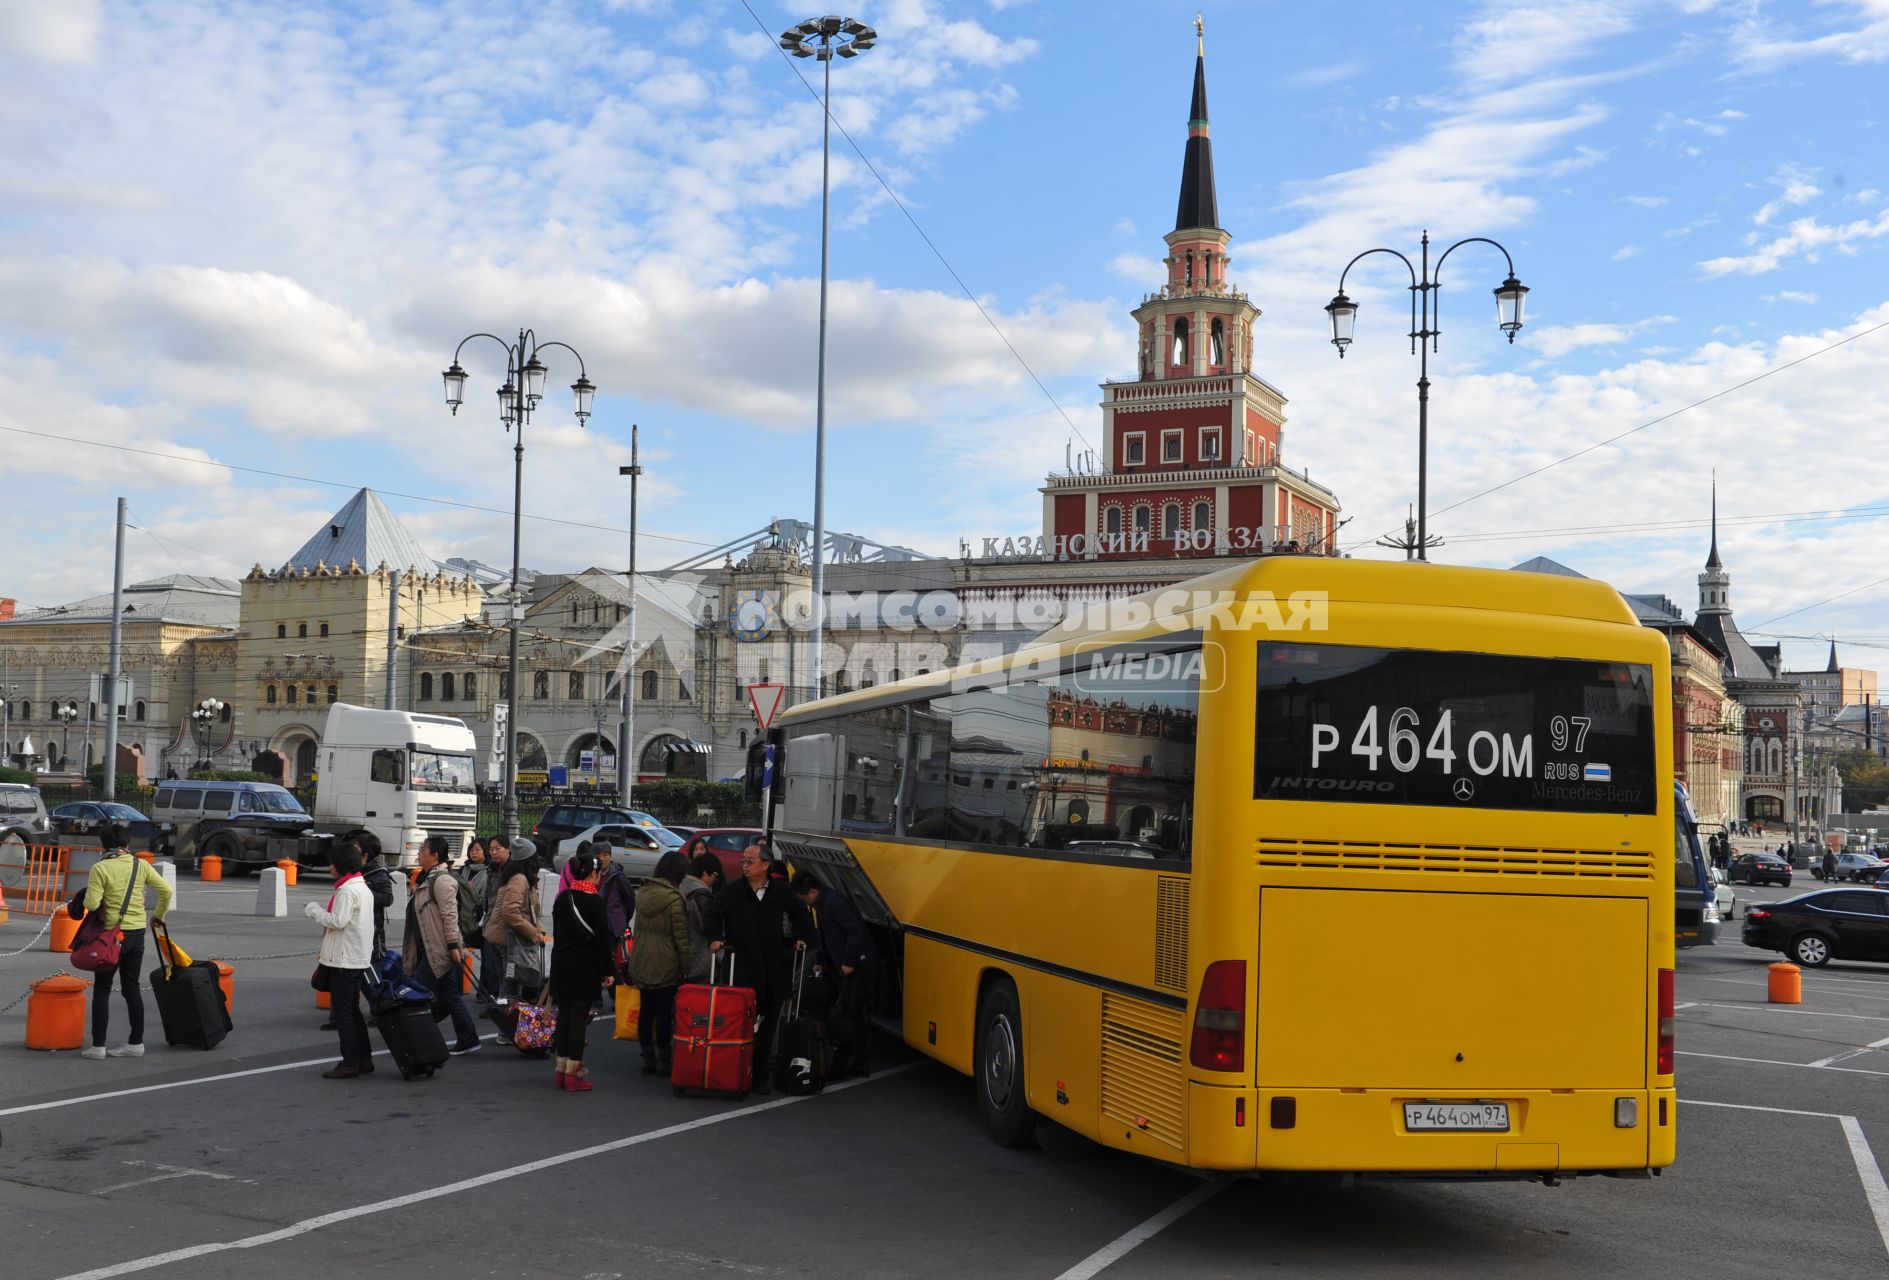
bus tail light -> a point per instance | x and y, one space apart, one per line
1667 1019
1220 1018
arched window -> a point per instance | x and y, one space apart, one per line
426 686
682 690
744 739
311 695
26 711
574 616
301 631
541 686
866 676
1190 267
292 692
1112 520
469 689
324 631
137 712
1180 341
282 631
596 611
225 717
504 684
839 682
1217 348
1144 518
1203 516
446 687
576 686
334 695
649 686
1170 519
268 695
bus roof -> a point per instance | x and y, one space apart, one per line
1189 605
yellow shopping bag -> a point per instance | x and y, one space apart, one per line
169 952
629 1008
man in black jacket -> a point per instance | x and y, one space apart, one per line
758 918
849 957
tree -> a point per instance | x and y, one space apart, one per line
1865 780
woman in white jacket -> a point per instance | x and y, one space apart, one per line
347 949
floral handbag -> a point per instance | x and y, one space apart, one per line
537 1026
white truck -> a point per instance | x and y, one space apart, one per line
399 774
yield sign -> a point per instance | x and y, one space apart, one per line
766 701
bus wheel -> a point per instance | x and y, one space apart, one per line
1811 949
999 1058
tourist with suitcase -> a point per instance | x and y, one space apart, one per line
760 920
849 958
433 947
115 886
583 963
347 942
713 1048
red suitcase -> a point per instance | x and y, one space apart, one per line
714 1039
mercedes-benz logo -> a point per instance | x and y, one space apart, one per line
1464 789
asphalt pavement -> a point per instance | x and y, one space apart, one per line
243 1161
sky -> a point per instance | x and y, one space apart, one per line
252 234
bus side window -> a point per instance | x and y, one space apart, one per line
385 768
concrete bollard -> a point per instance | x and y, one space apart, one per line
168 869
272 893
547 895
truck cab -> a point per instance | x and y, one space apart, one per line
400 775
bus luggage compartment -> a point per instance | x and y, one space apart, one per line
1451 995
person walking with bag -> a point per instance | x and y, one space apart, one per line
513 927
661 958
850 958
698 890
434 948
116 884
498 852
582 964
759 919
347 943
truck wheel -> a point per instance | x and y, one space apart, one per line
227 849
999 1060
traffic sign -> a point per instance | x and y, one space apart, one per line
766 701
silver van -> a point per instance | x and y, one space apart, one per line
230 820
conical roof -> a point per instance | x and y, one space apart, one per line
367 533
1199 207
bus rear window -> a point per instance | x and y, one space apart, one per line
1358 725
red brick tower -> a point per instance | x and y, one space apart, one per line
1190 448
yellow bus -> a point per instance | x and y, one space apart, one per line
1310 865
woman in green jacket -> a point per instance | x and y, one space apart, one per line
660 958
117 883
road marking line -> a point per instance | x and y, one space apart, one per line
1111 1253
1690 1004
185 1084
307 1225
1847 1054
161 1177
1875 1190
1775 1062
1781 1008
1821 982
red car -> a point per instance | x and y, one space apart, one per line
725 843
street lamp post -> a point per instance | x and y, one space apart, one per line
524 387
203 718
823 38
626 740
1424 319
67 714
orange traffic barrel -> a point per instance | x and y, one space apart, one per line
145 855
210 868
1786 984
3 906
323 1000
226 978
55 1013
63 929
287 867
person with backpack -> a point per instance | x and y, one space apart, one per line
661 958
116 885
434 942
498 852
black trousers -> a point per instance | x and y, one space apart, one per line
130 961
656 1024
849 1025
573 1029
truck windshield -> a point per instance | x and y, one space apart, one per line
432 772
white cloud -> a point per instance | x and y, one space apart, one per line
1626 251
1558 340
1798 189
1584 157
1790 295
1645 202
1142 270
1862 37
1515 42
65 32
1806 237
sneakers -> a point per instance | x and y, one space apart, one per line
96 1052
126 1051
458 1049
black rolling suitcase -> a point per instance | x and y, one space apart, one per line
413 1038
189 999
799 1041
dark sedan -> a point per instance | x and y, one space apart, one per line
90 817
1761 868
1816 928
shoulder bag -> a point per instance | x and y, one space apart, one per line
99 952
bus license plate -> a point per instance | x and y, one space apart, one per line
1458 1117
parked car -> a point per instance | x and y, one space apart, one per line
1761 868
633 848
684 832
1862 868
726 843
1727 896
564 820
22 814
89 817
1816 928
